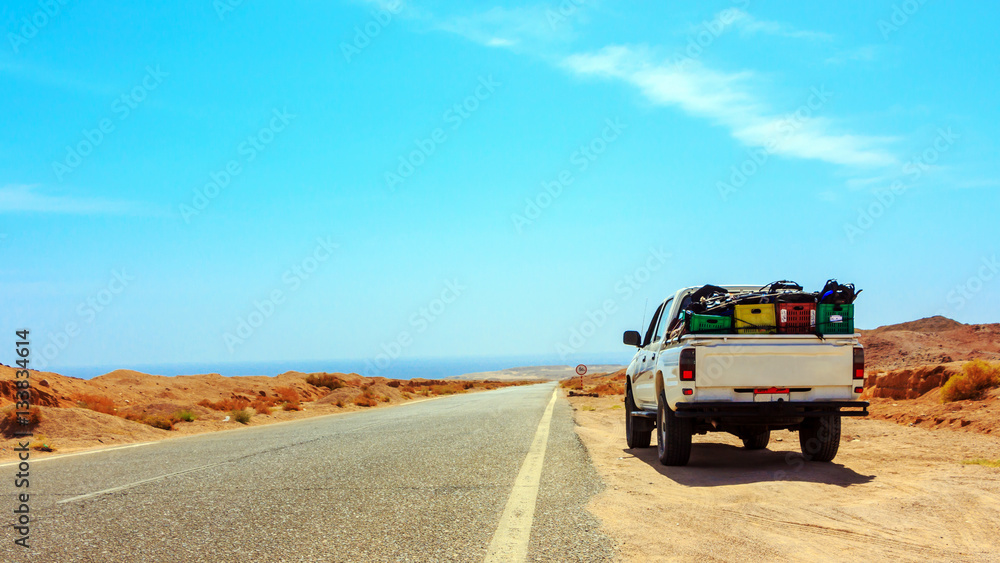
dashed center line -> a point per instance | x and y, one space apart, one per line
510 541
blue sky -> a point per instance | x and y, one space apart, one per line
232 182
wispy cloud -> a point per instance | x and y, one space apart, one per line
727 99
513 28
31 199
748 24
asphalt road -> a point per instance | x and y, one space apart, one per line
426 481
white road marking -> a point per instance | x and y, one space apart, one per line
88 452
143 482
510 541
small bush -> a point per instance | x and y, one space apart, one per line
261 407
290 397
363 401
95 403
133 416
42 444
588 408
186 415
160 422
976 377
242 416
340 403
327 380
34 416
395 383
230 404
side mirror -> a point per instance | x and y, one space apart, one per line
631 338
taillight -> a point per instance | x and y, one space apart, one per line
859 363
688 391
686 364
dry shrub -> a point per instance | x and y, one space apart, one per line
242 416
976 377
287 395
327 380
291 407
385 398
230 404
185 415
160 422
407 389
42 444
395 383
95 403
133 416
468 385
340 403
363 401
609 388
261 407
34 417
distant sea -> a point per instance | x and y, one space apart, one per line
429 368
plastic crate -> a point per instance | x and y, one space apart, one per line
834 318
755 319
796 318
709 323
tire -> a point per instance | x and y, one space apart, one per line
819 438
673 435
756 441
638 431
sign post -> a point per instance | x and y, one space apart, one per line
581 370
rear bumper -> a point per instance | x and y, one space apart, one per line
782 409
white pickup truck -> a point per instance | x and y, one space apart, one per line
744 384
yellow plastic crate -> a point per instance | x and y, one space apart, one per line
755 319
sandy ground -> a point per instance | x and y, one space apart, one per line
894 493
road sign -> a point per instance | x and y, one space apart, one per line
581 369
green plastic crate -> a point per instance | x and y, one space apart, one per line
833 318
709 323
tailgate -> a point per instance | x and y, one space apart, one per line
775 361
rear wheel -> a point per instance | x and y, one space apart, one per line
819 437
638 431
756 441
673 435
